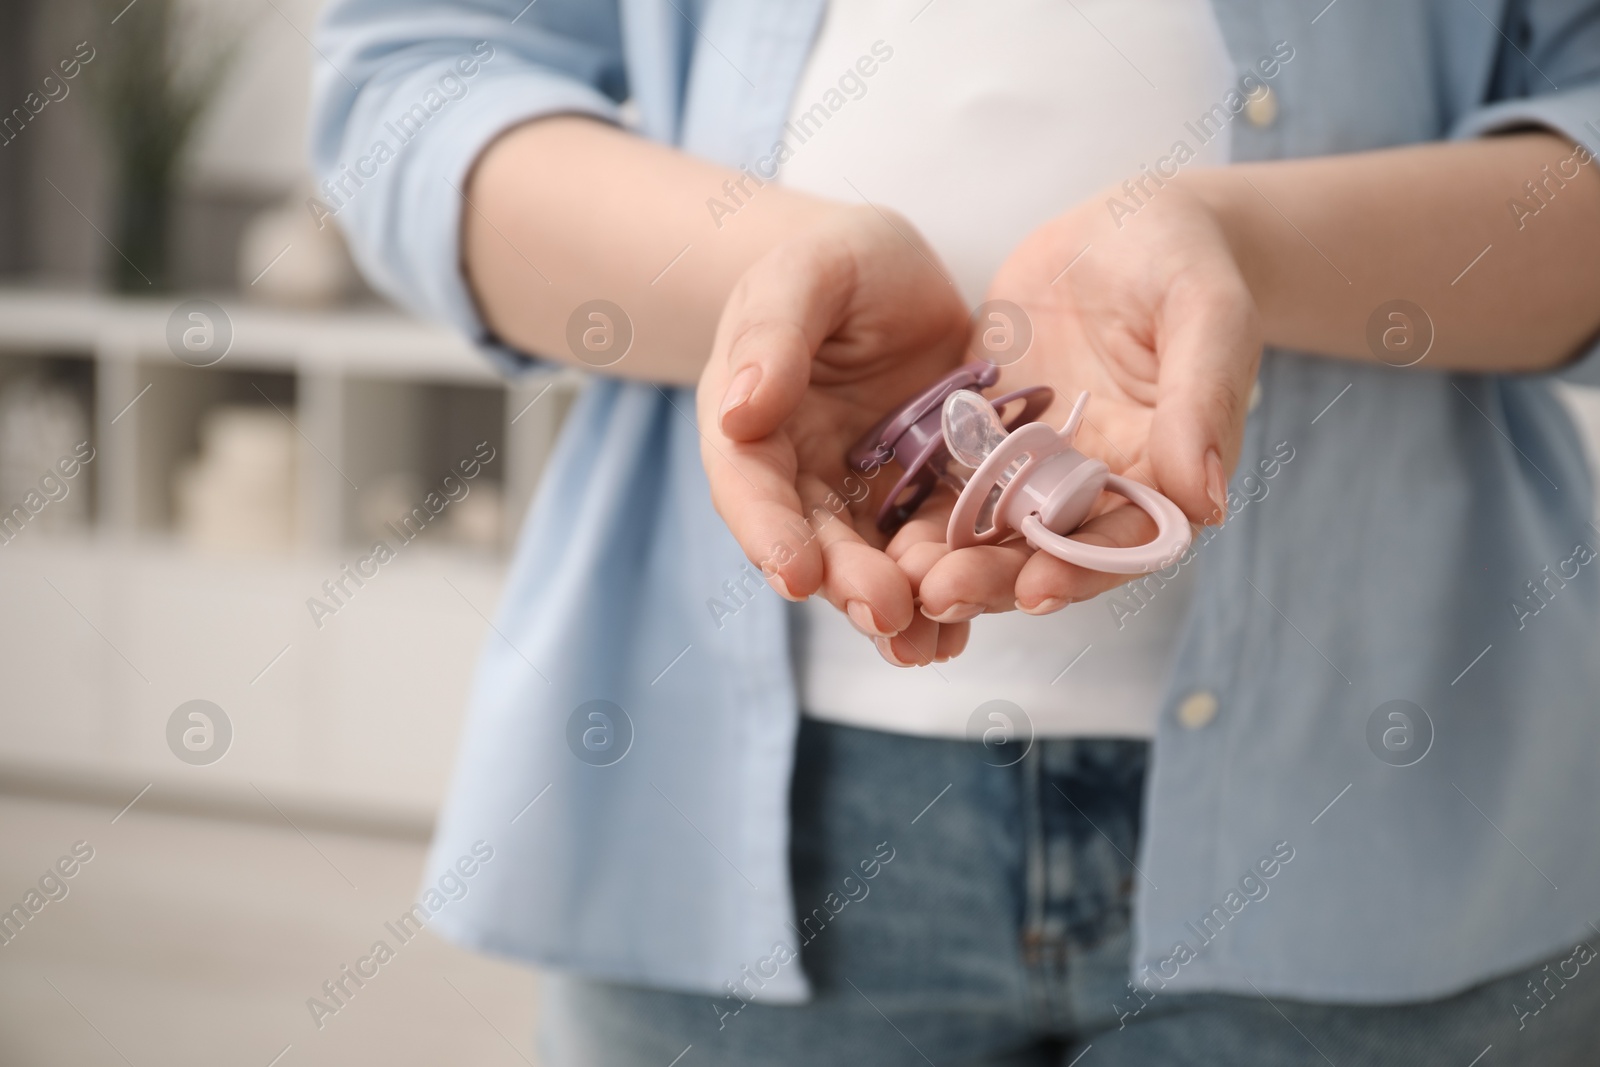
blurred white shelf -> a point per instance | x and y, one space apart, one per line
371 342
110 630
359 712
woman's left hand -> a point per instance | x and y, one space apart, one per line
1154 319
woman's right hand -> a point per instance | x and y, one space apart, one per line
819 339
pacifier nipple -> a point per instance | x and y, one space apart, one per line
972 427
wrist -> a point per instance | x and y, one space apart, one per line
1226 195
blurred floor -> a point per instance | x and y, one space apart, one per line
194 941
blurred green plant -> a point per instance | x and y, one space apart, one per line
159 70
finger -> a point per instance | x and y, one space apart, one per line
1047 584
752 476
920 543
917 560
954 586
928 526
856 578
752 488
915 646
970 581
784 307
1210 347
952 640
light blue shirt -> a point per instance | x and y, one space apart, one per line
1422 545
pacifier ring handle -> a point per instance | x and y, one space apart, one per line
1171 541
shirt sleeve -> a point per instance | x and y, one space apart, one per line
408 95
1547 74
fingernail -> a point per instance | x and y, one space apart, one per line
863 619
1216 484
885 647
957 612
739 390
781 587
1045 606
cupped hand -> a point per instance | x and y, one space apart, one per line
818 340
1154 319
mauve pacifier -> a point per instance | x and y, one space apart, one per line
1033 482
913 434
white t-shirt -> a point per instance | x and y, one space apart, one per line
980 122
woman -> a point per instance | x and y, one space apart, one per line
1307 797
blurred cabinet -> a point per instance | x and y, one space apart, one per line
108 627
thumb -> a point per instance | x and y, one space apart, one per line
1208 365
781 312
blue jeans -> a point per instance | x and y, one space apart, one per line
956 912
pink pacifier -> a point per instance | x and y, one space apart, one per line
913 434
1032 481
1027 481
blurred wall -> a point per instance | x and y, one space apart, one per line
249 152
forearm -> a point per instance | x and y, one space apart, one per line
1324 242
567 210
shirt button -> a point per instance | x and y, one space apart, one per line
1262 109
1198 709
